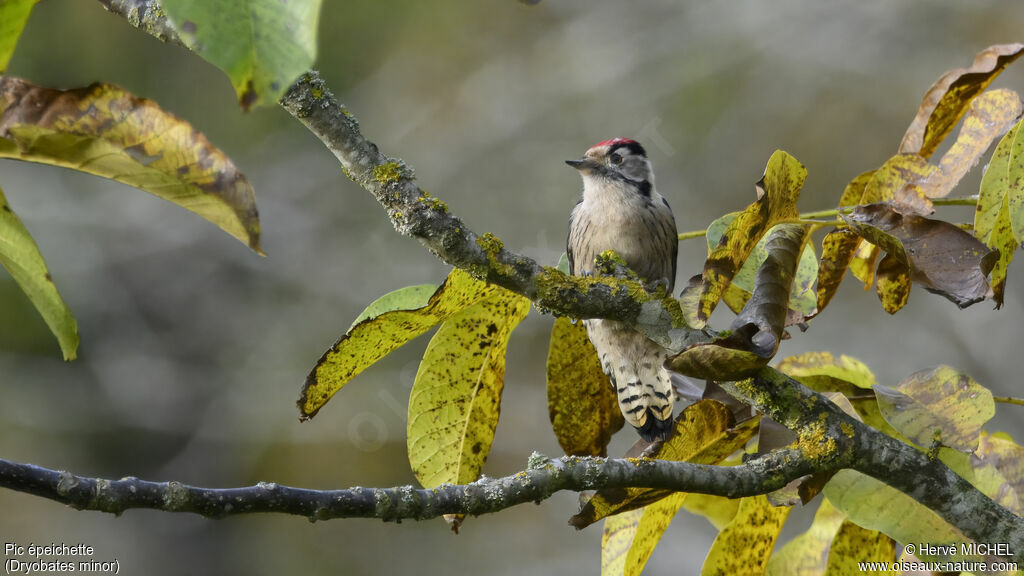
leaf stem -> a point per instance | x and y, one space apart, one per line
834 212
1009 400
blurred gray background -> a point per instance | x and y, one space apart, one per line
194 348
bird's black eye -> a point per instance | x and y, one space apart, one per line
616 158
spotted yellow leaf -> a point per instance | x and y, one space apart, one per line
746 544
582 405
807 554
382 328
456 396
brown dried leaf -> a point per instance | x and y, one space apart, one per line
940 256
758 329
947 100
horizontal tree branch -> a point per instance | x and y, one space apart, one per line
538 482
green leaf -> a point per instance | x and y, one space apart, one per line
746 544
874 505
807 554
563 263
378 332
616 541
106 131
777 193
13 16
262 45
702 434
941 404
20 255
655 520
582 405
456 397
999 217
811 365
854 545
408 298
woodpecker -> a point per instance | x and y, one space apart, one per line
622 211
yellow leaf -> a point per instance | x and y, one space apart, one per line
938 404
20 255
653 523
947 100
777 193
898 172
809 365
616 541
807 554
863 264
893 287
839 246
702 434
853 545
1001 460
718 510
746 544
377 333
456 397
1001 198
989 117
582 405
106 131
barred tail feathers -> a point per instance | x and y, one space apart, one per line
633 363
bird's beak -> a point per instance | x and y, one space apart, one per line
583 164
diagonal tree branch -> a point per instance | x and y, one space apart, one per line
415 213
834 440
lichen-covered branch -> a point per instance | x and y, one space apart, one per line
539 481
416 213
147 15
833 440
